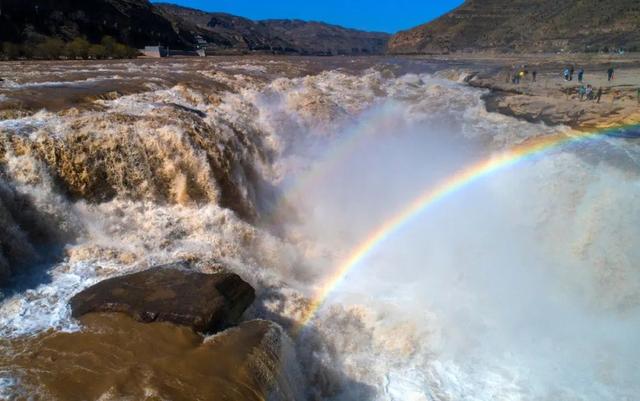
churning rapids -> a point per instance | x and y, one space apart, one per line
523 285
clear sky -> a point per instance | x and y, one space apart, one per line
371 15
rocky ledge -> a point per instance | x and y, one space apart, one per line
554 101
170 293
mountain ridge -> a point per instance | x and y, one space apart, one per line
139 23
133 22
525 26
220 32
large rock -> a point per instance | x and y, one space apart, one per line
171 293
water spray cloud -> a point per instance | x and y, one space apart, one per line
530 149
344 148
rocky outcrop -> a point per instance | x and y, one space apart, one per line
117 358
170 293
526 26
553 101
221 33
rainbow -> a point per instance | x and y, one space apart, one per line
451 185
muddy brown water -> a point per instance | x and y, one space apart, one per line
114 357
30 86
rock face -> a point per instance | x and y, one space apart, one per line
171 293
221 33
526 26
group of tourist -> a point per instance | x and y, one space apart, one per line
519 73
568 72
586 92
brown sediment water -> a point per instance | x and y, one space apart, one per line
114 357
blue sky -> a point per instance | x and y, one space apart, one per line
371 15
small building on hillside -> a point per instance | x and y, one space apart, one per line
161 51
155 51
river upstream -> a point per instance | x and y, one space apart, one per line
334 187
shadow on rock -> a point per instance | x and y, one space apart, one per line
32 239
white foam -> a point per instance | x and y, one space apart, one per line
30 124
54 84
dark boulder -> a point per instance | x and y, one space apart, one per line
171 293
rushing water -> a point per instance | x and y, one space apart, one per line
522 286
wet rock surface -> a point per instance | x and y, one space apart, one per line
170 293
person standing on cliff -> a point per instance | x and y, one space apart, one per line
566 74
534 74
580 74
598 95
589 92
610 72
571 73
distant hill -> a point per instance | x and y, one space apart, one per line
134 22
138 23
527 26
225 33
